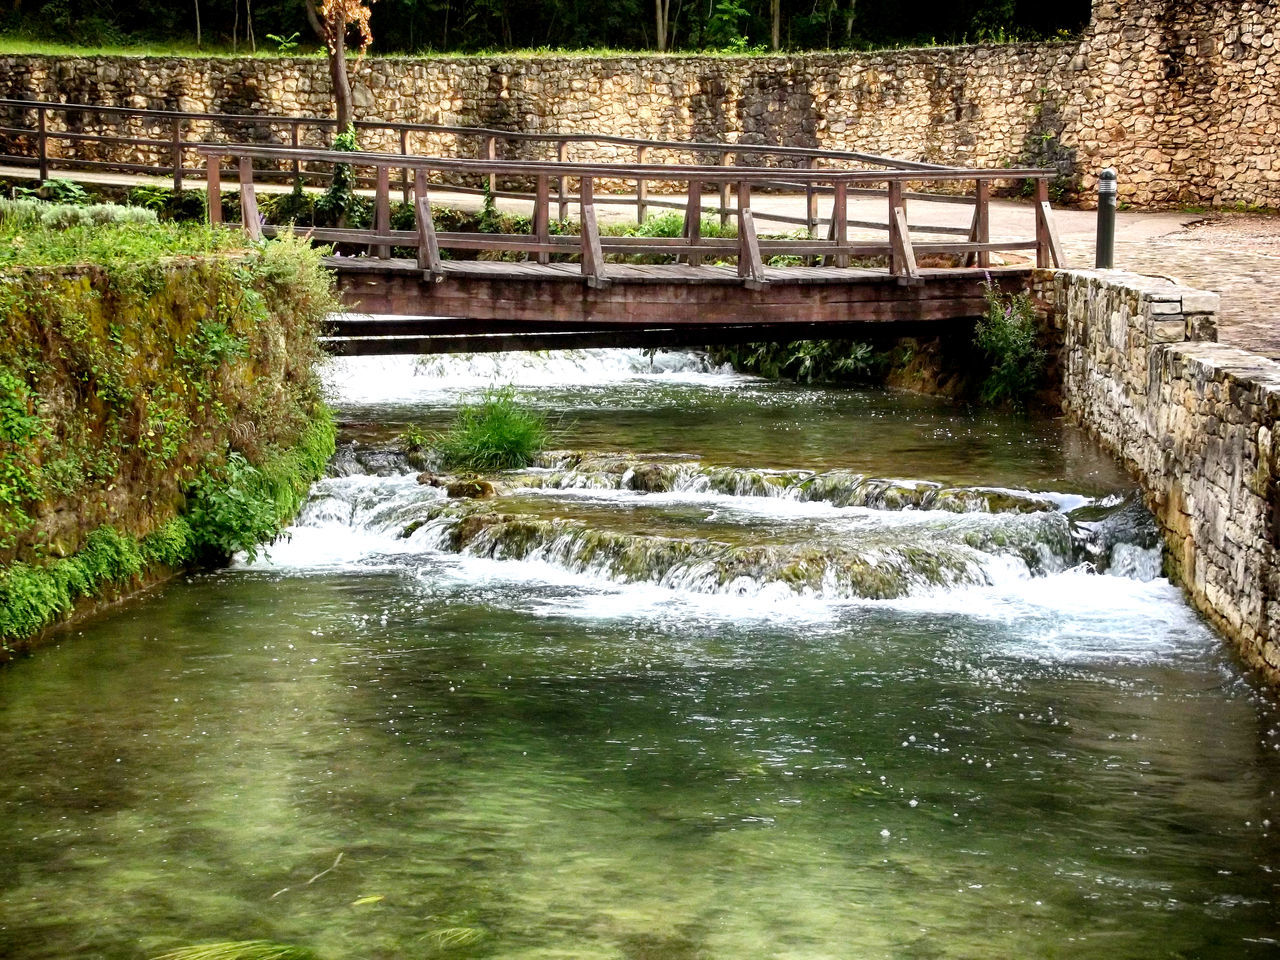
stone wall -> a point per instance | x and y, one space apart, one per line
1195 422
1182 96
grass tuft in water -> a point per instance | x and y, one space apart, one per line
494 434
240 950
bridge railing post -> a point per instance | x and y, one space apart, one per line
642 186
382 211
428 246
491 153
838 232
42 142
404 173
249 201
810 199
541 216
592 253
213 189
980 228
177 154
750 266
902 256
293 142
693 221
1048 247
562 182
724 192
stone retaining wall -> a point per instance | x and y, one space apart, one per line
1183 96
1195 422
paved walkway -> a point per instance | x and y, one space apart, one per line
1235 255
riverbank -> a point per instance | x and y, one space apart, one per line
158 405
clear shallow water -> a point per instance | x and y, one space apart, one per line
533 758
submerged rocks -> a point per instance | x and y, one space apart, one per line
841 488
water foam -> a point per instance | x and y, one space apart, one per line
437 379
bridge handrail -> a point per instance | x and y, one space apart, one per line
749 249
179 117
621 171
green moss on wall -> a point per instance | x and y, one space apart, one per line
152 414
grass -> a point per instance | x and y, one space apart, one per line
494 434
41 241
13 44
240 950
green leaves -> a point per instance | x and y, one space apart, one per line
494 434
1007 335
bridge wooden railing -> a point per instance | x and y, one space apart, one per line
166 143
901 249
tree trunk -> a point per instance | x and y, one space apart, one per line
341 83
197 23
775 38
660 10
849 18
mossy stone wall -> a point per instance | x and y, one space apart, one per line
127 392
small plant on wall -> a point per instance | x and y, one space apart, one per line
1007 336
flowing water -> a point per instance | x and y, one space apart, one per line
754 670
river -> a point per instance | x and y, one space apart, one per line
747 670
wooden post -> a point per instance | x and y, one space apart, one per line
592 254
840 220
404 172
724 194
811 199
980 231
491 153
428 248
177 154
562 184
293 142
42 143
213 189
382 212
541 214
902 257
750 266
248 201
642 187
693 221
1048 247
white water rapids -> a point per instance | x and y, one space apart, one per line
998 565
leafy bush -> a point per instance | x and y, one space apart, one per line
808 361
494 434
1007 336
238 506
55 191
30 213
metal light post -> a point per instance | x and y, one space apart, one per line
1105 249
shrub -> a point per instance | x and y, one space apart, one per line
32 214
1007 336
494 434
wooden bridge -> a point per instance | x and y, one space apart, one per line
569 283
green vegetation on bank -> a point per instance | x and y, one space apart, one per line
1008 337
37 234
158 403
1002 365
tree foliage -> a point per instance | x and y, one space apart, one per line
420 26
